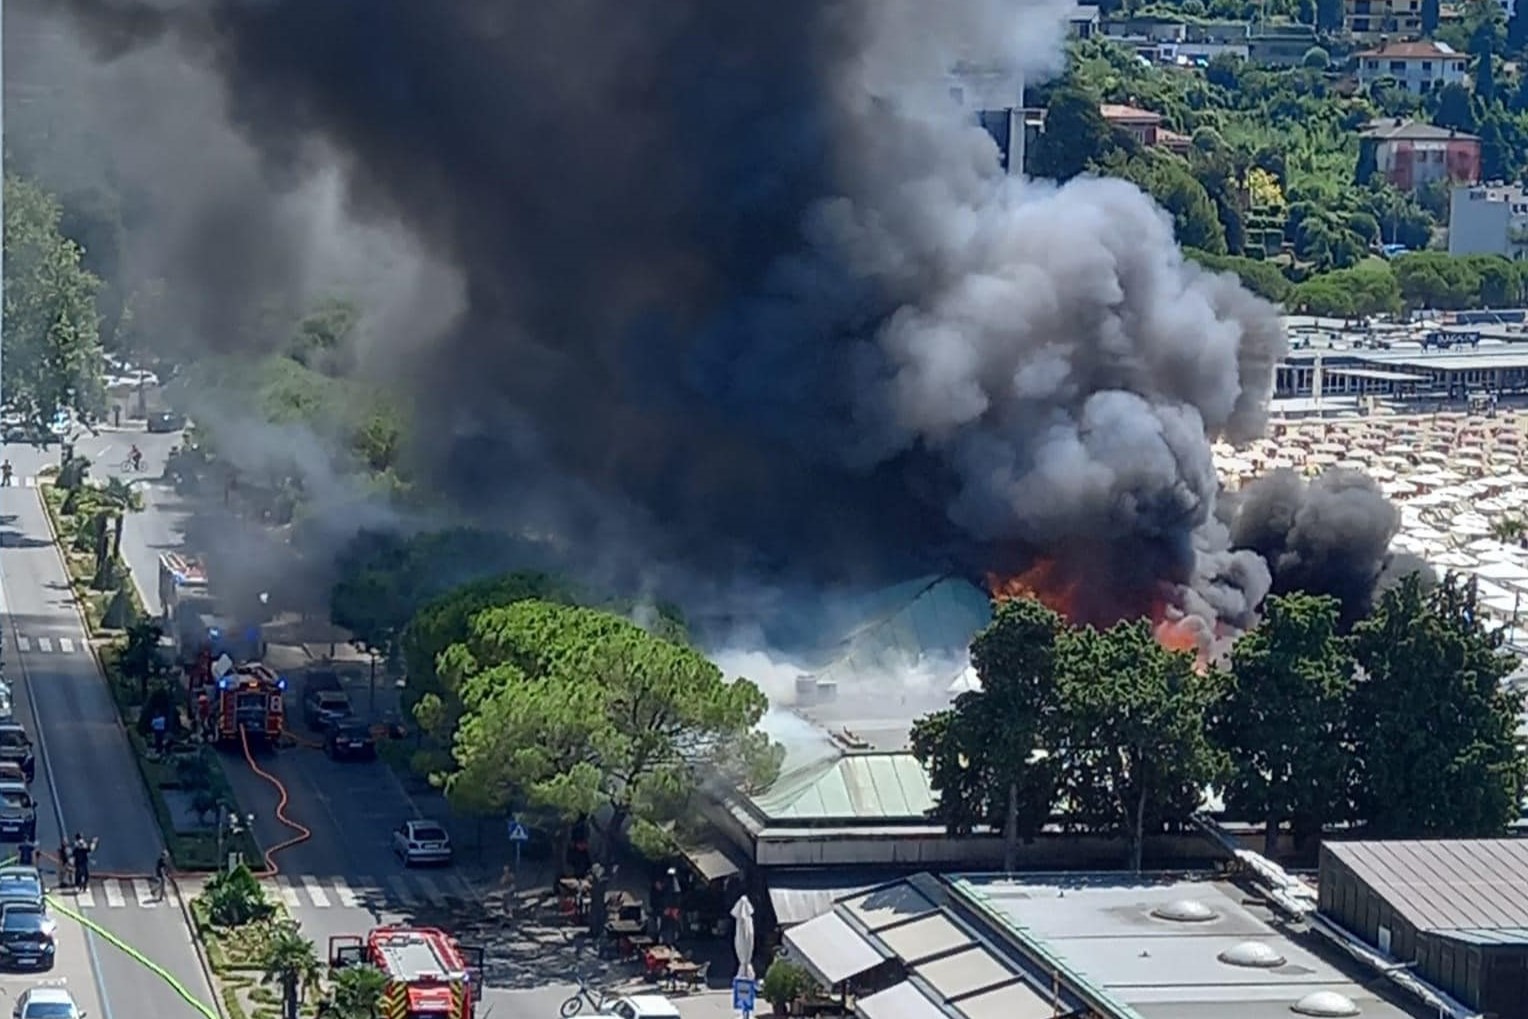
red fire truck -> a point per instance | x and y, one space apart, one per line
430 976
250 697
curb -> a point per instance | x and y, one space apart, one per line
200 949
95 656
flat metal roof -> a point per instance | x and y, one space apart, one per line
1445 884
1446 361
1376 374
1106 928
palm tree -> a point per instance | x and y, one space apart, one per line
358 992
291 962
1508 530
118 499
139 658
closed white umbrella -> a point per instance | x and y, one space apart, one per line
742 937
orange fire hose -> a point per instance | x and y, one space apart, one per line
303 833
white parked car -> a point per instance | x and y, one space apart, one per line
47 1001
421 842
641 1006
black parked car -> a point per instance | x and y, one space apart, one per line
26 937
350 740
166 421
322 709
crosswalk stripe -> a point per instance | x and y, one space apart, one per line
401 891
145 893
66 645
289 895
429 888
31 482
315 891
44 644
23 644
84 899
348 898
113 892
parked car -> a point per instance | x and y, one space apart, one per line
49 1002
16 745
350 740
21 886
18 813
641 1006
11 771
26 937
322 709
166 421
421 842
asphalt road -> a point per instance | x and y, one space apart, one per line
86 780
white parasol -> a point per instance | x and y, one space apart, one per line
742 937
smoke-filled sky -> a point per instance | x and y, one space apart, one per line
735 286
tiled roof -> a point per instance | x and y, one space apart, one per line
1412 131
1419 50
1114 111
1465 885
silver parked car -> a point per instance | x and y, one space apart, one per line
421 842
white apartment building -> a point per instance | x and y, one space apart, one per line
1418 67
1488 219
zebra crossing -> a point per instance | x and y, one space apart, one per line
48 645
399 891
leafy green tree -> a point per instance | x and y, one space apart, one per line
1517 31
1430 14
1075 136
1485 77
114 501
1316 59
1454 108
1349 293
1262 278
588 714
1434 279
357 992
52 349
1283 719
1433 731
1136 755
986 755
290 961
140 659
319 337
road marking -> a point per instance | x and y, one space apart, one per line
315 891
85 898
289 895
66 645
401 891
430 888
31 482
44 644
145 892
113 892
23 644
348 898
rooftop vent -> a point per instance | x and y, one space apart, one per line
1185 911
1325 1004
1252 954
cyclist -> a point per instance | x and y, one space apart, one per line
135 457
161 873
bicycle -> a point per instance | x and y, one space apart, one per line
130 466
596 1000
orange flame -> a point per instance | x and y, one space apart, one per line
1045 582
1052 586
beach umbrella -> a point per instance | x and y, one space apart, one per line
742 937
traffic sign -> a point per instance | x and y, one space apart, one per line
745 995
517 832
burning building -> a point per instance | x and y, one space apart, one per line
746 292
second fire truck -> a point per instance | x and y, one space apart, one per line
248 697
429 975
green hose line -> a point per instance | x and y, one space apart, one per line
136 956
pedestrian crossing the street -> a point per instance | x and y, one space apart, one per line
48 645
398 892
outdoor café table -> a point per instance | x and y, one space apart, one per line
681 971
656 961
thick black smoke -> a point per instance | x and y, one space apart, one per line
747 276
1328 536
